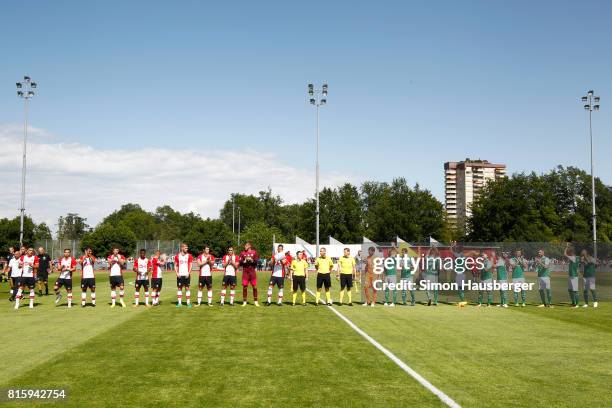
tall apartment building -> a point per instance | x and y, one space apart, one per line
462 183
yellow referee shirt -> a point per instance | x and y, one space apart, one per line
346 265
324 265
299 267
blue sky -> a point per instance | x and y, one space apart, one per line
412 84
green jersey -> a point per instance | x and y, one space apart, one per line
487 271
433 265
390 270
517 267
589 268
543 267
406 271
574 265
502 274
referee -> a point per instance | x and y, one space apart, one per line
44 267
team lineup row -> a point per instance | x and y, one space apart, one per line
28 269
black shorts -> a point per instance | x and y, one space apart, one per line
42 277
229 280
88 283
67 283
346 281
182 281
323 279
156 283
15 280
278 281
116 281
28 282
205 281
142 283
299 282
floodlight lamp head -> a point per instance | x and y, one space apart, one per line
323 101
33 84
18 85
26 78
312 101
587 107
596 99
584 99
590 93
596 107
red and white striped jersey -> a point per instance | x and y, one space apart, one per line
228 260
28 263
65 264
87 264
156 271
142 266
183 261
205 270
115 266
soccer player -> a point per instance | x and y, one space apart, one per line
142 267
518 265
5 269
370 277
44 267
299 273
486 278
65 268
407 277
324 265
588 275
542 263
116 261
29 266
277 278
205 261
248 260
157 264
230 265
390 277
15 273
460 268
572 282
88 279
433 265
182 266
502 276
359 267
346 273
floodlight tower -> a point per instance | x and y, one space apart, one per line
24 91
318 98
592 104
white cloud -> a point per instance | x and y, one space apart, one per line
70 177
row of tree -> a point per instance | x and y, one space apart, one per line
552 207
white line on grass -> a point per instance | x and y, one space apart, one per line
443 397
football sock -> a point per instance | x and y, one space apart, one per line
70 299
280 296
179 296
341 296
294 296
350 296
188 296
147 298
93 298
303 297
199 296
318 297
232 295
328 296
223 292
32 297
113 297
549 296
542 296
136 298
209 296
269 294
83 298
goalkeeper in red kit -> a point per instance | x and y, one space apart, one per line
248 260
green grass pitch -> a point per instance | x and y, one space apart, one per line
305 356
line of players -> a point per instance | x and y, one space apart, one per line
24 268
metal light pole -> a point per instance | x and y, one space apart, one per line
592 103
24 91
233 216
238 226
318 98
